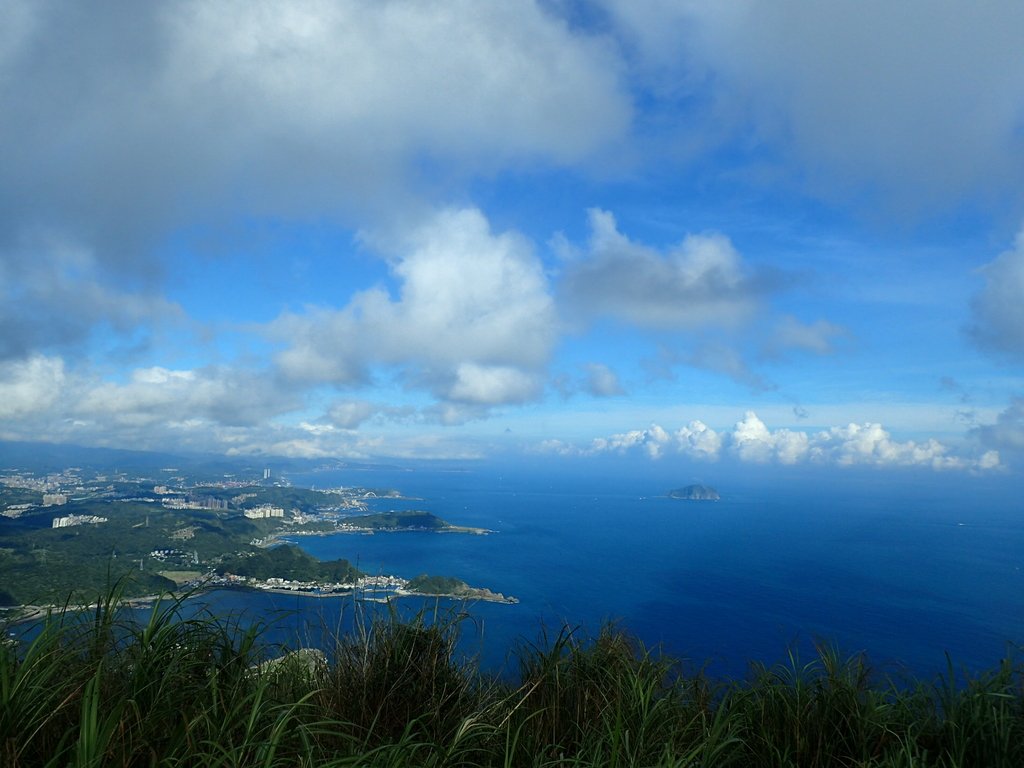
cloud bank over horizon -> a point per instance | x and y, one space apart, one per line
751 441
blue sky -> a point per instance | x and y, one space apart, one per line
776 234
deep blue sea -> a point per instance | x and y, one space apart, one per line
905 571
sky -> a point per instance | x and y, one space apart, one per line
779 234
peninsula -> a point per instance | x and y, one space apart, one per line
288 569
413 520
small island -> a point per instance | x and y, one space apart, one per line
695 493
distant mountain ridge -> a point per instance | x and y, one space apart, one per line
46 457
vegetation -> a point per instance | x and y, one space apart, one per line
414 520
41 564
438 585
125 526
289 562
101 690
302 499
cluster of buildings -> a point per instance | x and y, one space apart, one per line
51 482
264 511
70 520
205 502
371 584
174 554
16 510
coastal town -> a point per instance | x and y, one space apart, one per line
67 534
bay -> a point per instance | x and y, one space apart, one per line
906 573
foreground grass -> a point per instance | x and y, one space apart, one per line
177 691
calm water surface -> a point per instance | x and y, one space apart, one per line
905 574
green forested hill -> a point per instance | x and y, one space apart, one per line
289 562
414 520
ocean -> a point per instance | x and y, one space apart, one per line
906 572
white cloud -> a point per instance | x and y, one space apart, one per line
30 387
155 408
555 448
473 321
315 441
56 294
1006 433
602 381
652 441
725 360
349 414
700 282
816 337
871 95
128 120
699 440
998 309
156 397
206 410
452 414
459 78
135 123
752 441
492 385
657 438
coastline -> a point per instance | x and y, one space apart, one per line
483 595
284 536
22 614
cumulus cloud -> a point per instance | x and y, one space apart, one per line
206 410
700 282
998 309
153 408
159 396
871 444
473 321
30 387
652 441
309 440
750 440
492 385
871 95
699 440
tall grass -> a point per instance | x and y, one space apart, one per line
100 689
